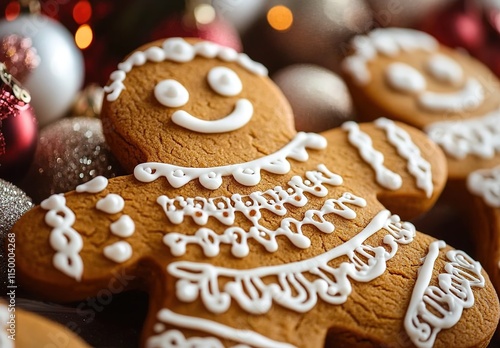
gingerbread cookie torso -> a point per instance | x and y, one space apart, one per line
246 233
406 75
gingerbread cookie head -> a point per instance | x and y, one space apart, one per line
205 100
288 243
407 75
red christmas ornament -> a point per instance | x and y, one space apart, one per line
18 129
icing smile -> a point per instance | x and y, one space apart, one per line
469 97
240 116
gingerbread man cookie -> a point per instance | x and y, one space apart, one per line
246 233
406 75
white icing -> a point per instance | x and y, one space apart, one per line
388 42
417 166
296 285
177 50
445 69
123 227
405 78
171 93
224 81
96 185
175 338
224 210
469 97
111 204
5 341
65 240
362 141
241 115
247 174
486 184
435 308
118 252
479 136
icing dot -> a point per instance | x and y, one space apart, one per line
95 185
186 291
405 78
248 171
123 227
224 81
171 93
111 204
445 69
159 327
118 252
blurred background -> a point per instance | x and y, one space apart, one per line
62 52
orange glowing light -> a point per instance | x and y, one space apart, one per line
84 36
12 10
82 11
280 17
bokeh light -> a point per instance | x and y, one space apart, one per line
82 11
12 10
280 17
84 36
204 14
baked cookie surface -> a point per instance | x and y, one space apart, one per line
406 75
246 233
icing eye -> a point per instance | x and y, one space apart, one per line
171 93
445 69
405 78
224 81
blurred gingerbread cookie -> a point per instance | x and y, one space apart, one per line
23 329
247 233
406 75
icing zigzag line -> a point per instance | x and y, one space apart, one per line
177 339
486 183
479 136
292 289
434 308
247 174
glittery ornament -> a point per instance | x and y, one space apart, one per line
19 55
71 151
319 98
18 135
59 75
13 204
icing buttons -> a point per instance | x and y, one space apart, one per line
111 204
96 185
118 252
123 227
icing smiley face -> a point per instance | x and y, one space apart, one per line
406 75
197 92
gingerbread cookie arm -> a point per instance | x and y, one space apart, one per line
408 171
